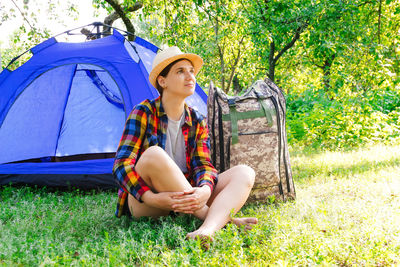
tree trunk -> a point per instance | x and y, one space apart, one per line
379 21
220 52
109 20
222 62
327 76
326 71
233 67
271 61
120 11
236 85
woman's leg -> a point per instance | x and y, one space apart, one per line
161 174
230 194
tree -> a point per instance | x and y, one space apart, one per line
275 27
231 41
370 61
331 33
241 41
213 29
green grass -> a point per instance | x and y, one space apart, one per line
347 212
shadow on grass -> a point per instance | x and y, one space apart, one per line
55 189
306 172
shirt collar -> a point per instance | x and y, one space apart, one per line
161 112
159 107
188 116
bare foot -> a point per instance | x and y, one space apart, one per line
246 222
205 238
199 232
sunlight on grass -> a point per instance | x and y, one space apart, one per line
342 217
331 165
347 212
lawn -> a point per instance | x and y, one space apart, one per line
347 212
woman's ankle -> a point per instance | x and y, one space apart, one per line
202 213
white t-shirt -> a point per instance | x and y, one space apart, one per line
175 144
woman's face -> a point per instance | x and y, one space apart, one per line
180 80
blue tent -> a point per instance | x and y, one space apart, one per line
62 113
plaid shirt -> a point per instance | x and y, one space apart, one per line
147 126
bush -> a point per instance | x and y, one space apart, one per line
315 121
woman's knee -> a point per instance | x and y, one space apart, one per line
245 174
153 157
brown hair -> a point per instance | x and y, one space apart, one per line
165 72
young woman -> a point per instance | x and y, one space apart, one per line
163 162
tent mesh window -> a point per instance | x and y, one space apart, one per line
75 111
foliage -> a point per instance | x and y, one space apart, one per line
212 29
23 40
275 26
30 32
338 61
349 121
346 213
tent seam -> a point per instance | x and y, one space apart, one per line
65 106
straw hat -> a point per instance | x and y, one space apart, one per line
169 55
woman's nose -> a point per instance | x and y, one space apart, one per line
189 75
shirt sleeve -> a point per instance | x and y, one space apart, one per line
127 154
204 172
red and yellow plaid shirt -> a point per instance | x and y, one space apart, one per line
147 126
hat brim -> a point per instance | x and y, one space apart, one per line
195 59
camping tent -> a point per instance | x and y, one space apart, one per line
62 113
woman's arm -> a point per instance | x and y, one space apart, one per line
127 153
204 173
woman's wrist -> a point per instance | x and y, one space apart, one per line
207 190
148 198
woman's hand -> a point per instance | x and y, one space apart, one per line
186 202
163 200
192 200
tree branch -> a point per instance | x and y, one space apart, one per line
291 43
310 57
120 11
245 9
221 55
210 16
365 3
109 20
379 21
262 10
22 14
219 47
234 66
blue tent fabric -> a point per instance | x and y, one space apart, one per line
72 99
96 166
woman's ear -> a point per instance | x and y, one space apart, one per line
161 81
